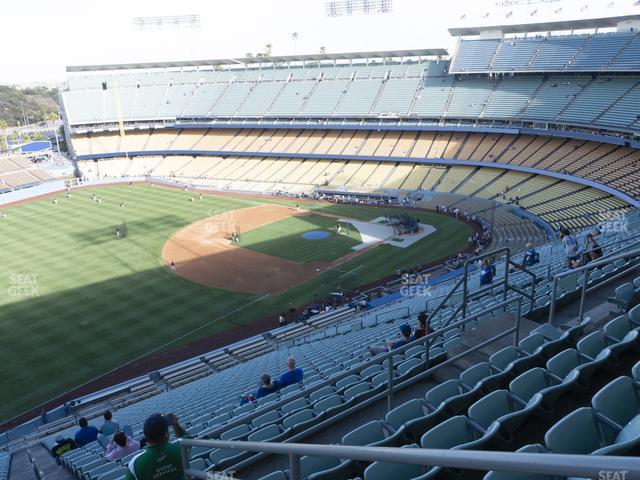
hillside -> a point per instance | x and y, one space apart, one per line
39 104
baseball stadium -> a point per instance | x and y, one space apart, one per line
407 263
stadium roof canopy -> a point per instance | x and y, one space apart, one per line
553 26
424 52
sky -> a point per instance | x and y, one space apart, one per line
41 37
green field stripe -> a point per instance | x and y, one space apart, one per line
102 302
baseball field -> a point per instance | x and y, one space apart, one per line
78 299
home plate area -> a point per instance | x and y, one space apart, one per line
379 230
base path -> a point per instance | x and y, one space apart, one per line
203 253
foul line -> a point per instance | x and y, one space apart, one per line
150 352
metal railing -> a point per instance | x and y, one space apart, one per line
584 289
393 385
562 465
464 283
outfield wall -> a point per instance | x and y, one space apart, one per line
31 192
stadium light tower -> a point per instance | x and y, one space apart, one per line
342 8
167 22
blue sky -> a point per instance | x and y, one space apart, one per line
40 37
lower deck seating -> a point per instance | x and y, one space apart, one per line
558 202
608 164
18 172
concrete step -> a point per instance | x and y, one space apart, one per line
22 469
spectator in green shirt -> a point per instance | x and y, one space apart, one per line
160 460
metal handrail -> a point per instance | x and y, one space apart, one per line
376 360
563 465
393 387
585 280
465 278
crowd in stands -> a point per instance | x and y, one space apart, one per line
406 335
157 457
268 386
579 255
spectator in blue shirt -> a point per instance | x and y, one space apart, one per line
267 386
486 273
531 257
405 337
293 375
86 434
109 427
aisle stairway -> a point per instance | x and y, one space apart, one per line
22 469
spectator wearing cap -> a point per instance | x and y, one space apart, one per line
86 434
293 375
109 427
121 446
405 337
160 460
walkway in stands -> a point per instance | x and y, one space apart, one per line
21 468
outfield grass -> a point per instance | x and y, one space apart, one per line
284 239
76 303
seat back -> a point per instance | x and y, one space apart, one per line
407 366
535 448
618 327
444 391
365 434
472 375
568 283
618 400
625 292
235 432
345 382
272 397
402 413
577 433
116 474
491 407
526 385
269 417
502 358
322 392
221 454
531 343
449 434
385 471
592 344
373 369
328 402
298 417
310 465
357 389
563 363
265 434
295 405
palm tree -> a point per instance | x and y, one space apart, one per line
3 139
267 49
294 37
323 50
